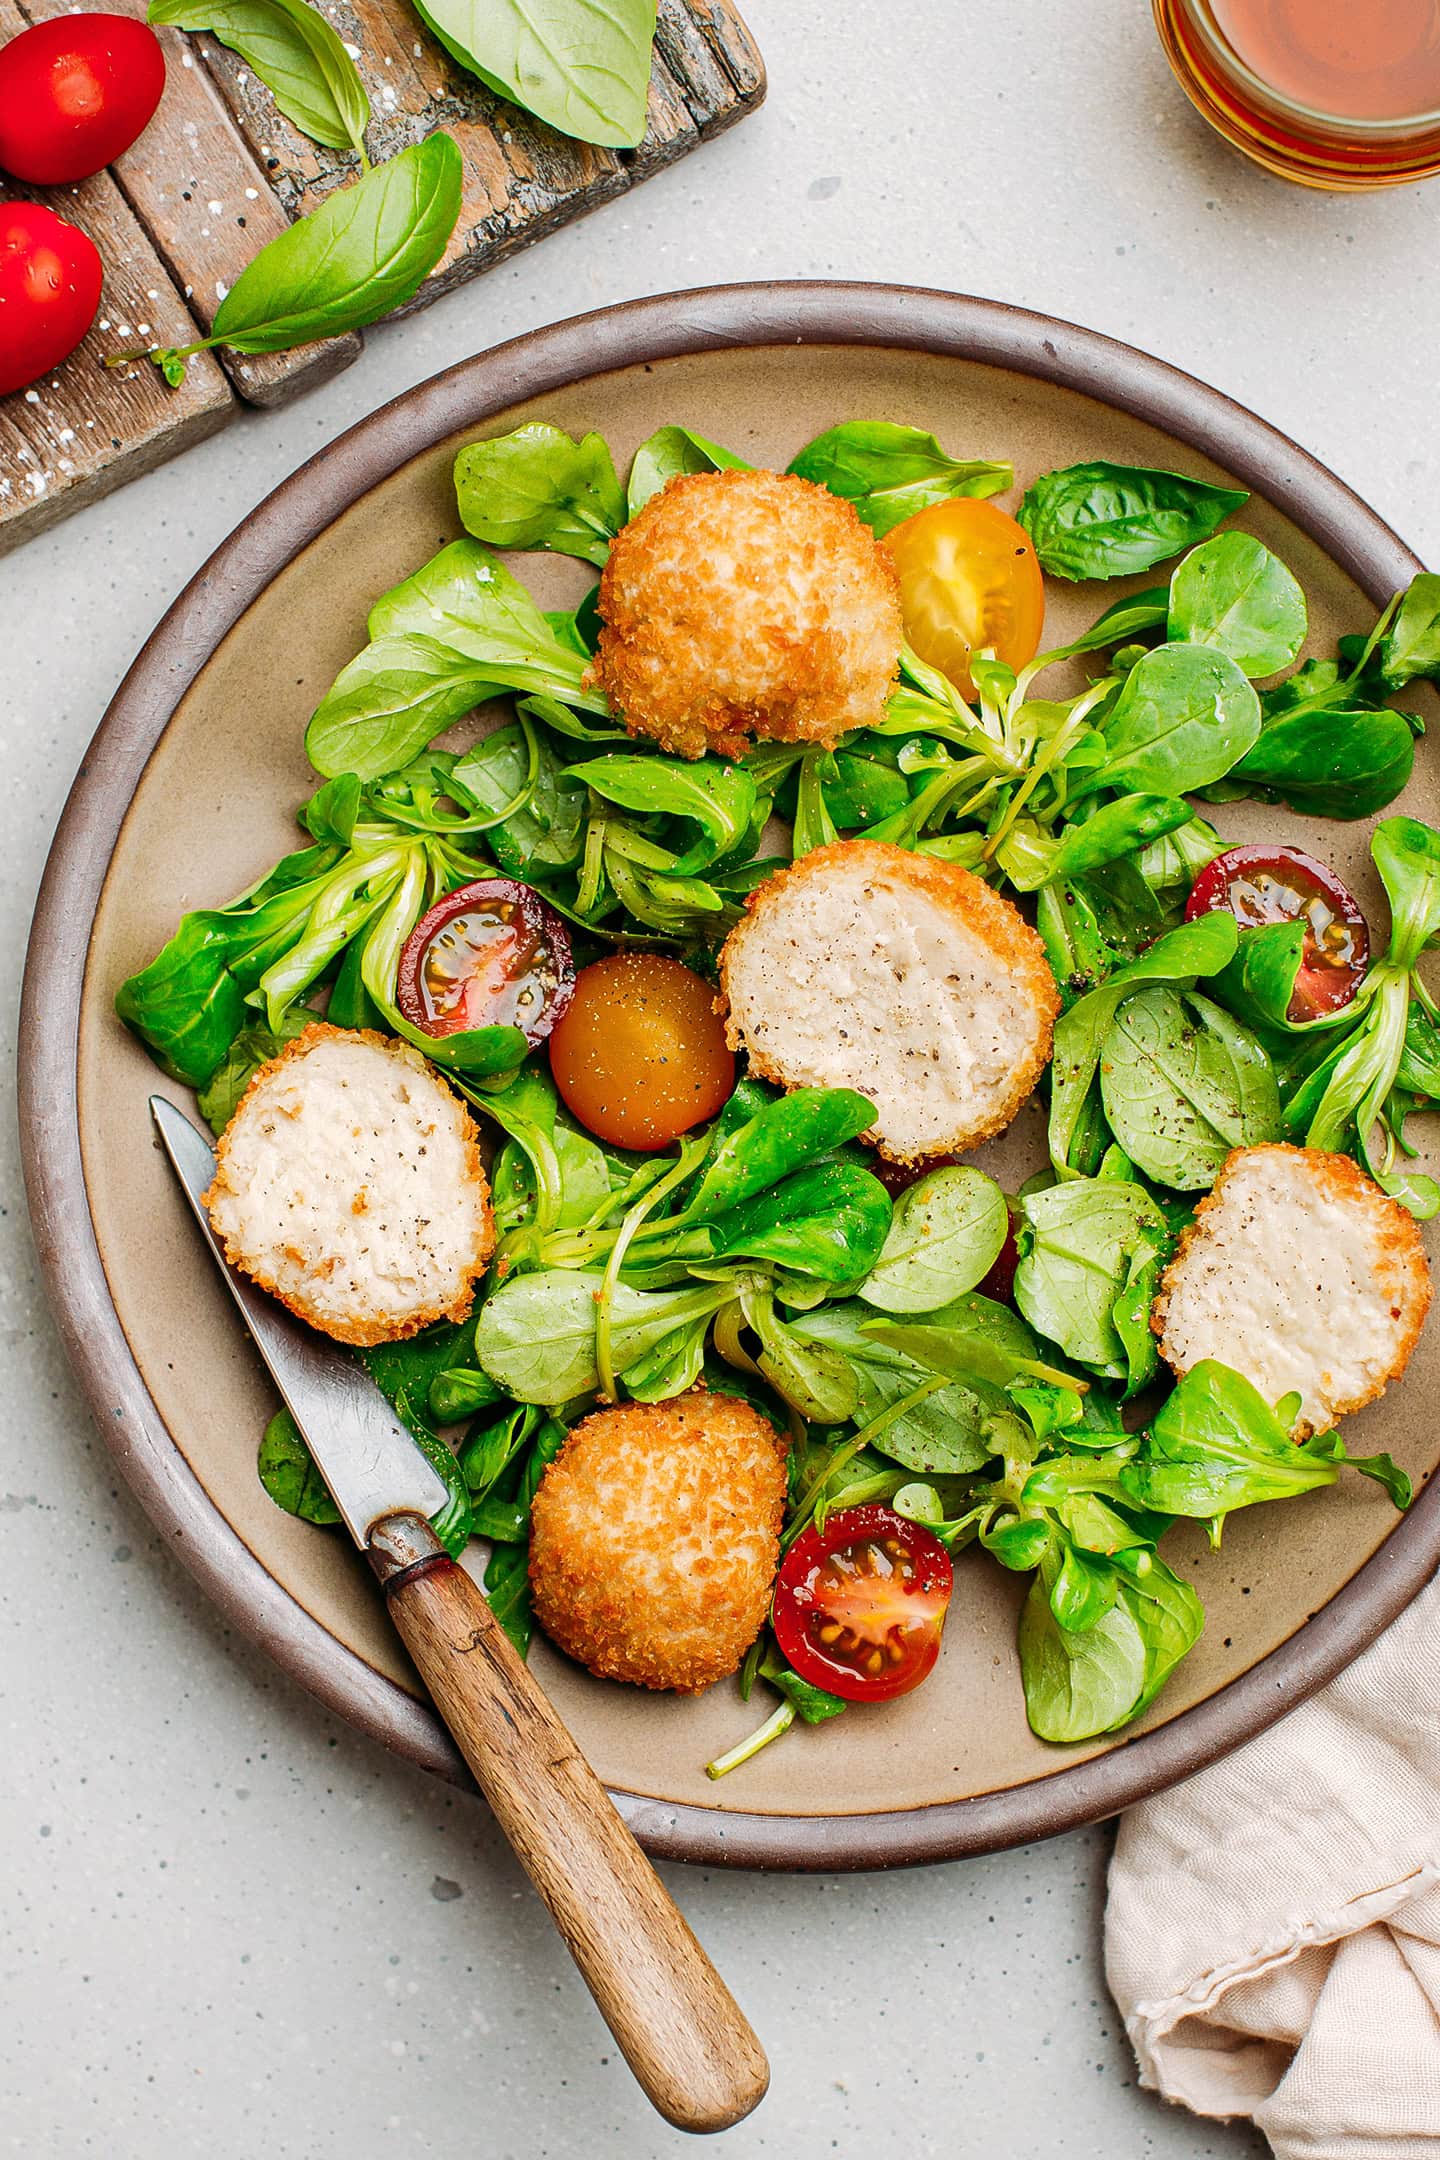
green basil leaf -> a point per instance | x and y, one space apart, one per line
1183 1083
364 250
669 452
1106 521
536 488
585 69
1235 596
889 472
1183 717
288 1473
946 1234
296 54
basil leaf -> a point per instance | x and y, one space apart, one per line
1182 1084
1344 763
295 53
536 488
889 472
582 67
946 1234
288 1473
669 452
364 250
1234 595
1106 521
1183 716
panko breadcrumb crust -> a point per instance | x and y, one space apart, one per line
737 604
1401 1264
363 1333
985 913
655 1536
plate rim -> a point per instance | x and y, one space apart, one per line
667 325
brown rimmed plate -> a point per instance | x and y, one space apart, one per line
185 796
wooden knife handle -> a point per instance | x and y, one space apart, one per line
676 2022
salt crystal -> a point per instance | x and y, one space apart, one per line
32 397
67 434
142 329
215 208
252 194
353 50
220 289
186 61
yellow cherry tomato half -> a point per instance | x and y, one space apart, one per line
969 581
639 1057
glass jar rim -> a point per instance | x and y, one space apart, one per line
1201 16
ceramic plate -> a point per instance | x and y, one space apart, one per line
186 796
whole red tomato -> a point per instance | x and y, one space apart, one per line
75 92
49 291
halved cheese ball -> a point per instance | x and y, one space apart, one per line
747 603
655 1536
1300 1273
904 977
349 1183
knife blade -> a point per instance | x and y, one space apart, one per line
369 1461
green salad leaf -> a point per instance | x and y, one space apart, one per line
1107 521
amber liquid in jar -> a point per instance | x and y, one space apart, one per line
1336 93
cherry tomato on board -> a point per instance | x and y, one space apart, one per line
860 1604
74 92
969 579
490 954
640 1056
1268 884
49 290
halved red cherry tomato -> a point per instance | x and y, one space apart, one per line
49 290
492 954
74 92
860 1604
969 580
1268 884
640 1056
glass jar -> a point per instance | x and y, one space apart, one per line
1297 140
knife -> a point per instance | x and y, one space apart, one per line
673 2017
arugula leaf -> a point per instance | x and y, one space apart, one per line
585 69
296 54
537 488
669 452
1183 1083
1232 594
1106 521
946 1234
889 472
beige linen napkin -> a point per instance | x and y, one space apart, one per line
1273 1929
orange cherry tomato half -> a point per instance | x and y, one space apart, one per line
1274 883
640 1056
969 581
859 1605
491 954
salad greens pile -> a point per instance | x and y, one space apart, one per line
761 1254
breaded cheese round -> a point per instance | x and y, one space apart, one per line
904 977
746 603
349 1183
655 1537
1300 1273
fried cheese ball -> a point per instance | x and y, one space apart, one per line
1300 1273
737 604
901 976
655 1536
349 1184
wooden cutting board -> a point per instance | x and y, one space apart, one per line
220 171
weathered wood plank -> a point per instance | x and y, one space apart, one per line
198 190
86 428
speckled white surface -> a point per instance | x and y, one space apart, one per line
229 1927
